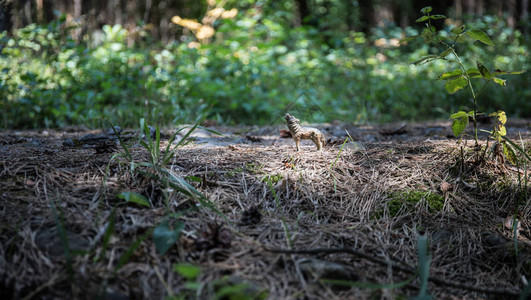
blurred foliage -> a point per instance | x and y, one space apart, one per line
255 67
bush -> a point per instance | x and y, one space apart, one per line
255 68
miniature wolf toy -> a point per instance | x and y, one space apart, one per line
304 133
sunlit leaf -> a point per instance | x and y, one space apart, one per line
187 271
455 85
485 73
509 153
458 115
134 198
426 10
460 122
164 237
473 73
499 81
422 19
481 36
458 29
500 115
451 75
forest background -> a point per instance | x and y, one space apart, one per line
246 62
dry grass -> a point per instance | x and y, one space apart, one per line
374 202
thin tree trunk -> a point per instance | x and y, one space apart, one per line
303 12
458 9
471 5
511 20
524 16
40 11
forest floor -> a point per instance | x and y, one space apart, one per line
268 222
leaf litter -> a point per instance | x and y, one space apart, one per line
352 214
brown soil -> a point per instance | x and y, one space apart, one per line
353 214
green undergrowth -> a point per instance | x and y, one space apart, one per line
250 73
405 202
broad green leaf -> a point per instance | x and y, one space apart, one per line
459 124
422 19
458 29
427 35
481 36
164 237
458 115
499 81
502 130
450 75
425 59
134 197
485 73
455 85
509 153
187 271
437 17
473 73
426 10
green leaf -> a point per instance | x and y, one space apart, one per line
437 17
459 114
164 237
473 73
509 153
134 198
485 73
187 271
481 36
426 10
446 52
428 35
498 72
409 39
455 85
501 115
422 19
458 29
457 73
460 122
499 81
423 268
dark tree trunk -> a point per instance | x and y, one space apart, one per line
304 14
367 16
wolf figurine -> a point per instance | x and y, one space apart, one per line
304 133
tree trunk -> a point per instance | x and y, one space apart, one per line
303 12
367 16
458 9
